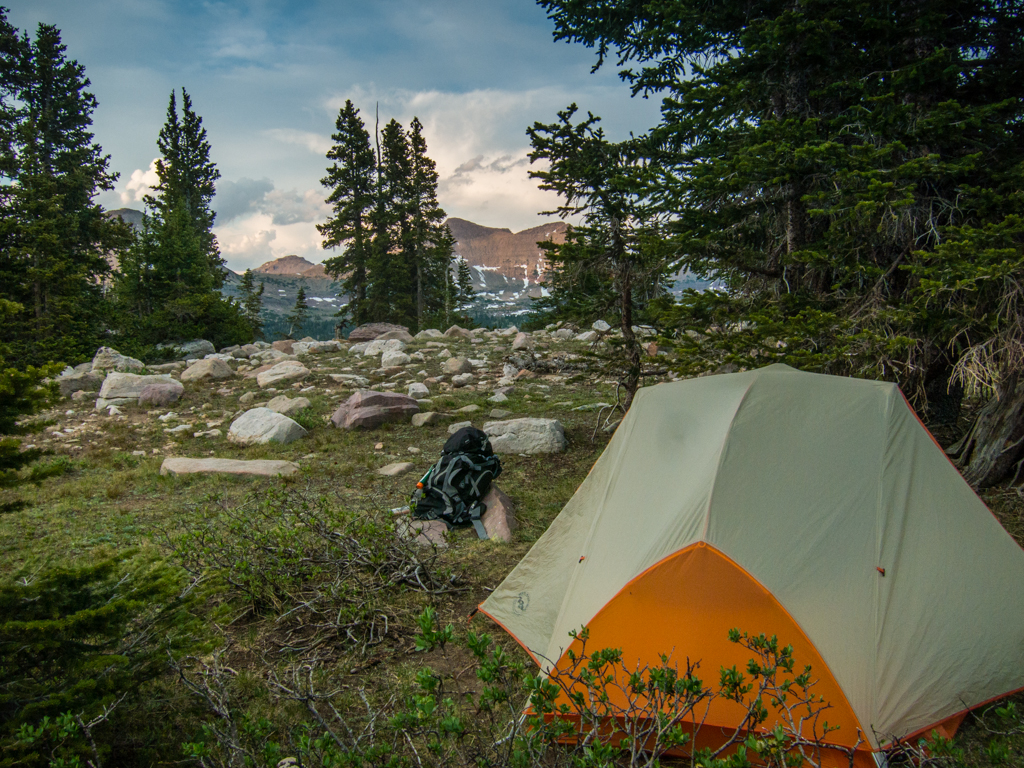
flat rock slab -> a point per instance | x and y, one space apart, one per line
367 409
396 469
287 405
117 386
371 331
210 368
262 425
80 381
424 533
527 436
259 468
161 393
427 418
283 371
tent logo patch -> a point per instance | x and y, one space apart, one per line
521 603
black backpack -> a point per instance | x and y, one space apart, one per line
453 488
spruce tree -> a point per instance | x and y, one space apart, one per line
297 317
389 286
252 302
846 173
169 286
54 236
464 286
351 178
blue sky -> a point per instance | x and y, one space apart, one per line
268 79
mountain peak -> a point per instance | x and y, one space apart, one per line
287 265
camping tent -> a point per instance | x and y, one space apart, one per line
815 508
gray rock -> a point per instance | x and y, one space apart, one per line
161 393
601 326
453 428
79 381
392 358
456 365
400 335
444 354
587 337
247 398
108 359
500 413
528 436
424 533
455 332
288 406
499 397
315 347
284 371
473 408
371 331
462 379
397 469
522 341
260 468
367 409
592 406
380 346
429 333
417 390
197 348
358 349
262 425
207 370
119 386
428 418
562 334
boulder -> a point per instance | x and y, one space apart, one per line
522 341
424 533
207 370
262 425
197 348
260 468
358 349
161 393
392 358
284 371
371 331
247 398
108 359
122 386
455 332
457 365
601 326
272 355
367 409
380 346
79 381
397 469
444 354
528 436
315 347
453 428
587 337
400 335
472 408
428 418
499 518
462 379
417 390
498 397
562 334
288 406
500 413
510 331
429 333
284 345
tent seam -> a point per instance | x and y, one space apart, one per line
721 454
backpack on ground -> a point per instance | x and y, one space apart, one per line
453 489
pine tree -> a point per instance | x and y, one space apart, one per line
842 171
389 287
464 285
53 235
351 179
613 249
300 312
252 303
169 286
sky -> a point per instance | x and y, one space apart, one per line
268 79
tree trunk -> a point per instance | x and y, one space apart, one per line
994 445
631 380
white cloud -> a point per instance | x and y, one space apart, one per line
140 184
293 207
314 142
254 240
